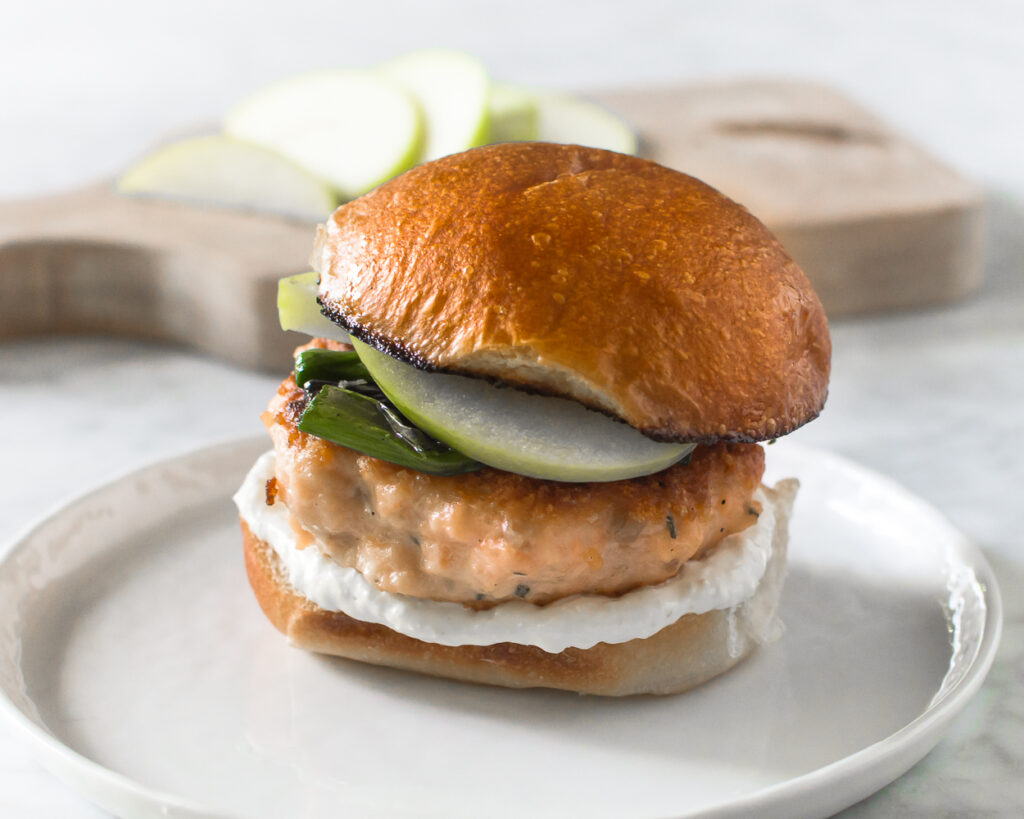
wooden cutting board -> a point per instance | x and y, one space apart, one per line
875 222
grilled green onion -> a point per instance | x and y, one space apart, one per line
360 422
329 365
413 436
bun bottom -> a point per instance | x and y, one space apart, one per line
687 653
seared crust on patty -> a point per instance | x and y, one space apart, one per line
693 649
488 536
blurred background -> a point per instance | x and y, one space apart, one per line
933 397
92 85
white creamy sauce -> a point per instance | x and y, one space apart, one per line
721 580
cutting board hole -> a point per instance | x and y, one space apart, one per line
820 132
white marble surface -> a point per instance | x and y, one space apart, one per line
934 399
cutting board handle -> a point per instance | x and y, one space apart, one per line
94 261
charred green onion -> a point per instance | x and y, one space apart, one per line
361 422
329 366
350 409
413 436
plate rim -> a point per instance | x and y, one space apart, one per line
97 783
863 771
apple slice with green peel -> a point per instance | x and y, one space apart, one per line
452 89
570 120
298 309
538 436
353 129
218 170
513 113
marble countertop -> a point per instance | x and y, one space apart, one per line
933 398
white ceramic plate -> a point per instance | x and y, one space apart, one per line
137 665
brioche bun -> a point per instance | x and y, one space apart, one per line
680 656
629 287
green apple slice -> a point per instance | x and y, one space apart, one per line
533 435
513 113
353 129
574 121
218 170
298 310
452 90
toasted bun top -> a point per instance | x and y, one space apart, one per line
632 288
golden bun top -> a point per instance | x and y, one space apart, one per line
632 288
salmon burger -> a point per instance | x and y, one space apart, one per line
522 447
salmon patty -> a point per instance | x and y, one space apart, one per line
488 536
